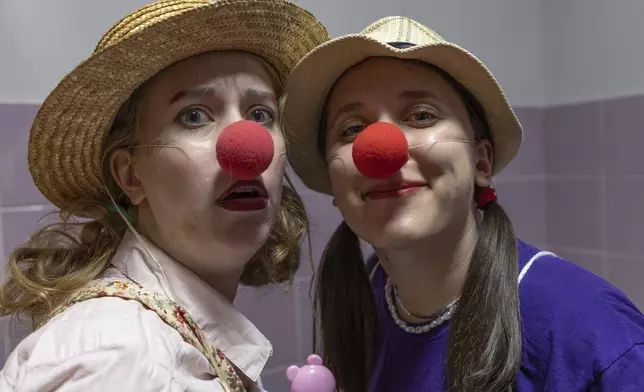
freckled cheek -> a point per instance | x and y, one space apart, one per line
345 181
279 151
446 157
278 162
462 165
455 181
273 177
279 142
340 173
175 174
193 161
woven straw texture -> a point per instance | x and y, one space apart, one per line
311 80
66 139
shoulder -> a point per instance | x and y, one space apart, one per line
555 286
116 330
624 375
113 321
579 318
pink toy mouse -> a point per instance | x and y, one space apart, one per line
313 377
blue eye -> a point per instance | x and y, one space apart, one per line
194 118
261 115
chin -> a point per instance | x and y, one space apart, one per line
242 236
401 232
387 239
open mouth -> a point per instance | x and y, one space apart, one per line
244 196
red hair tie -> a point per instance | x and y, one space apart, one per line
485 196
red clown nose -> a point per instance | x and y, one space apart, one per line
245 150
380 150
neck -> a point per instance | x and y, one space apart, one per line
225 279
225 283
430 274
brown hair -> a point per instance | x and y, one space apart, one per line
63 257
484 349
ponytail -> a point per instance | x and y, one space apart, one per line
484 350
348 319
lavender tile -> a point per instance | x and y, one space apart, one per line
297 182
16 184
14 329
5 349
272 310
591 261
623 135
574 213
18 226
626 274
525 203
573 139
305 312
530 159
625 216
276 380
324 218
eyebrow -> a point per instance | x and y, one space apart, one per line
350 107
417 94
195 92
199 92
260 95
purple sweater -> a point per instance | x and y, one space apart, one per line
579 334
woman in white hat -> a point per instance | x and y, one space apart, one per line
405 130
137 295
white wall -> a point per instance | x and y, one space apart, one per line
594 49
544 52
42 40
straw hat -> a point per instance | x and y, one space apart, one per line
309 84
66 140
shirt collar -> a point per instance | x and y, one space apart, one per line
222 324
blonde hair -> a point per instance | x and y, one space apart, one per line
65 256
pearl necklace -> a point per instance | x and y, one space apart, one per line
444 315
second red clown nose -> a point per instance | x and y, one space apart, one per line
380 150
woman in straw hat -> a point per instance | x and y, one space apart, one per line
127 141
405 130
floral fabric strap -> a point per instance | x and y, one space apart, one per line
171 313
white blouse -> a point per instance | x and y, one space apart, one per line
111 344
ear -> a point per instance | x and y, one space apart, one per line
122 169
292 372
484 163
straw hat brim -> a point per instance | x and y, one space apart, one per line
67 135
311 80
